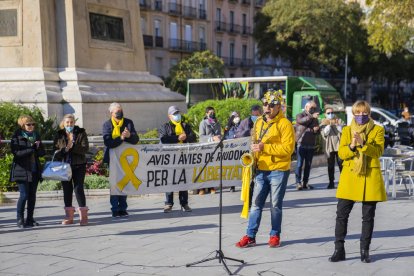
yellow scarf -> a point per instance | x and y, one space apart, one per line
178 128
116 132
360 159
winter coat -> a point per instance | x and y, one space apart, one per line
331 133
207 130
244 129
24 154
113 143
305 135
369 187
279 143
76 155
167 134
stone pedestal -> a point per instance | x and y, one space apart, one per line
78 56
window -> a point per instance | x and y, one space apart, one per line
244 23
218 14
244 52
173 30
232 18
202 34
218 48
143 25
158 66
105 27
157 28
231 50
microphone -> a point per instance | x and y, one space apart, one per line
230 122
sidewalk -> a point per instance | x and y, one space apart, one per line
150 242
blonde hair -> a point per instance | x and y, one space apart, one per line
361 106
67 116
24 119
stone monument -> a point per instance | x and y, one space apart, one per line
78 56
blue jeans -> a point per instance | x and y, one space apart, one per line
182 196
273 182
27 193
304 155
118 203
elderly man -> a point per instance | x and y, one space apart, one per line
275 144
247 124
307 128
116 131
176 131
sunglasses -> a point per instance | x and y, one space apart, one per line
271 105
30 124
329 113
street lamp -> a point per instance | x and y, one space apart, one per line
354 82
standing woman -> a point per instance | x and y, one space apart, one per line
26 147
72 144
361 145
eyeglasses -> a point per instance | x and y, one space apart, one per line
271 105
30 124
329 113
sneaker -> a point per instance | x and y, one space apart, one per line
31 223
299 186
115 214
274 241
212 191
185 208
201 192
20 223
307 186
232 189
167 209
123 214
246 241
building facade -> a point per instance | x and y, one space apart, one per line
174 29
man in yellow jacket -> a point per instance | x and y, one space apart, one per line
274 144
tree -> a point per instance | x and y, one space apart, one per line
199 65
390 25
314 33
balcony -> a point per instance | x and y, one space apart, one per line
259 3
148 41
186 46
159 42
233 62
190 12
158 5
202 14
174 9
246 63
246 2
145 4
233 28
220 26
245 30
233 1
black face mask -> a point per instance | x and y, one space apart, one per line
212 116
312 110
119 115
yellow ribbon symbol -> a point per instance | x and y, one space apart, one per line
129 168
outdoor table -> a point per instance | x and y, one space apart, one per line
392 159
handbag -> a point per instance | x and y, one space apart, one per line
55 170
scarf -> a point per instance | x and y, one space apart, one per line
116 132
30 136
178 128
360 159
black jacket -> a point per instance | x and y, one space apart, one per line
167 134
23 150
113 143
78 150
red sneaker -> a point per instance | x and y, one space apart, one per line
246 241
274 241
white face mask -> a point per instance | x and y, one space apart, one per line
330 116
176 118
236 120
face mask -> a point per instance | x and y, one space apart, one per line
176 118
312 110
361 119
236 120
69 128
212 116
254 118
330 116
119 115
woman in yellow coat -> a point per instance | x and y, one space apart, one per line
361 145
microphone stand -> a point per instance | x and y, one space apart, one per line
219 253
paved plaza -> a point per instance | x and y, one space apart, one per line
150 242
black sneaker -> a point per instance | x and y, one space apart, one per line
31 223
123 214
115 214
20 223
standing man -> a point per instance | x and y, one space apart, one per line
247 124
116 131
331 129
176 132
275 144
307 128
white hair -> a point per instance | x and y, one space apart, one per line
309 104
114 106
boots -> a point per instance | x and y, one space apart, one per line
365 256
70 212
338 255
83 213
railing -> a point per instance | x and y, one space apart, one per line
174 8
246 2
159 41
158 5
220 26
189 12
233 28
259 3
148 40
186 46
245 30
237 62
145 4
202 14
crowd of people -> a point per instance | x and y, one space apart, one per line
356 150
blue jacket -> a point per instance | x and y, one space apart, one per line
113 143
